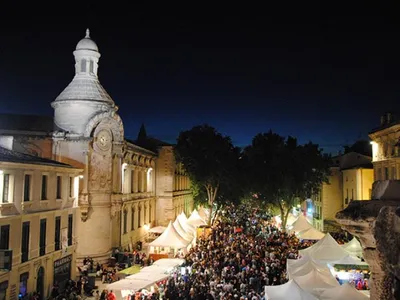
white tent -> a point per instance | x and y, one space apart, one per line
289 290
311 234
186 235
325 250
170 238
306 267
187 227
354 247
349 260
168 262
204 213
183 216
314 281
300 224
343 292
195 219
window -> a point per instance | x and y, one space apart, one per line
139 217
59 186
44 187
5 237
91 67
25 242
42 239
6 187
125 221
71 187
394 173
132 219
352 194
83 65
70 228
27 187
57 234
346 200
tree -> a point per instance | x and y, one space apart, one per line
280 171
210 159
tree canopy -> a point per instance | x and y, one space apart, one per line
280 171
211 161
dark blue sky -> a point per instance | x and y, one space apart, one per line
324 74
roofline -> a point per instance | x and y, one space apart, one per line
23 165
140 148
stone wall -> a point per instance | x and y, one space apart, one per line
377 224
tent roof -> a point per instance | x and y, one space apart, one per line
289 290
158 229
311 234
301 224
204 212
170 238
343 292
316 280
349 260
326 249
195 219
183 221
186 235
353 247
306 267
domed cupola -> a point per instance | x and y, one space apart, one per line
84 97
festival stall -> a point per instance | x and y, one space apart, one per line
315 282
354 247
169 242
343 292
185 234
290 290
306 266
301 224
311 234
195 220
187 227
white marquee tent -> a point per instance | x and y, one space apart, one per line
314 281
290 290
157 229
195 219
311 234
186 235
170 238
349 260
204 213
187 227
354 247
306 267
300 224
325 250
343 292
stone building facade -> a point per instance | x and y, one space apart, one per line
37 208
126 186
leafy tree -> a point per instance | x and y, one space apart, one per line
280 171
210 160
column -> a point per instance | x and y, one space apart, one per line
135 180
145 180
86 173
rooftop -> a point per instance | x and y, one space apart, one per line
22 158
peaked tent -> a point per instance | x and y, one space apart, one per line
187 227
316 280
326 250
290 290
170 238
349 260
300 224
186 235
307 267
311 234
354 247
158 229
204 212
343 292
195 219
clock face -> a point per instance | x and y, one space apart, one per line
103 139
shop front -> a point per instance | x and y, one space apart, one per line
62 271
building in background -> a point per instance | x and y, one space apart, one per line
37 232
385 148
351 178
126 186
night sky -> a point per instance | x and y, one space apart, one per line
324 74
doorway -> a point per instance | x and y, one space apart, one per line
40 282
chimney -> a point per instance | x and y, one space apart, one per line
383 120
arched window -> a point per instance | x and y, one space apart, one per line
91 67
132 219
125 221
83 65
